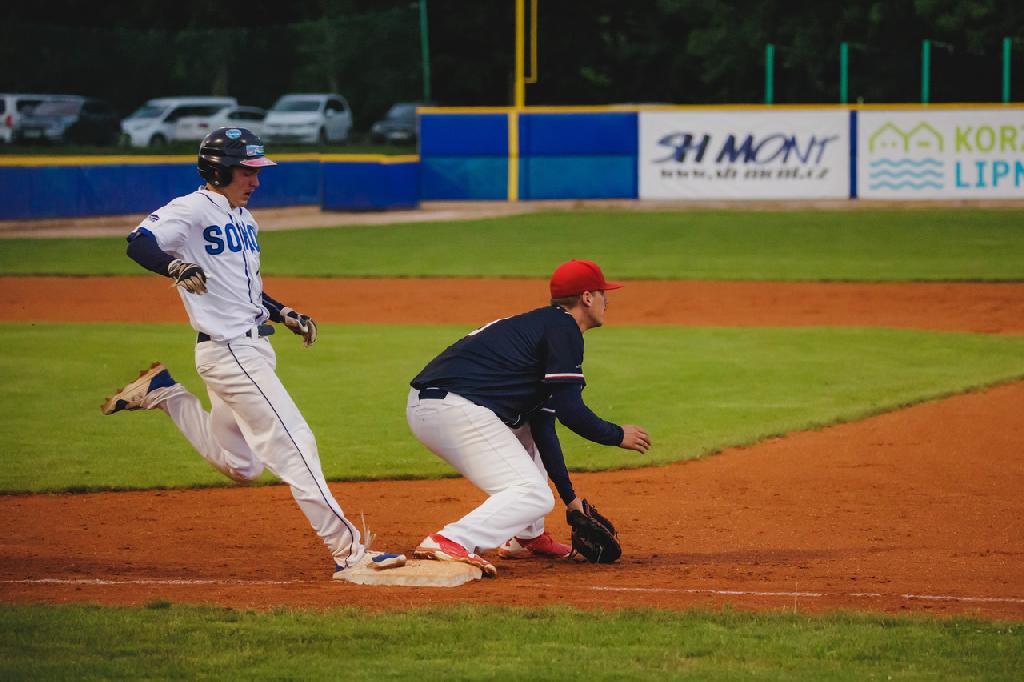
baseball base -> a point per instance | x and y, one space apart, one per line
416 573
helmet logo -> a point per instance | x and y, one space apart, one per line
233 133
254 150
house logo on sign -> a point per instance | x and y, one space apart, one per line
905 159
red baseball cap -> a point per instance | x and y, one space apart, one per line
577 276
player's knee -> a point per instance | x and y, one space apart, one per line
540 498
244 474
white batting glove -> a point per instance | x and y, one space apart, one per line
300 324
188 276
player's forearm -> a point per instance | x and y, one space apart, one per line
273 307
544 437
567 401
143 249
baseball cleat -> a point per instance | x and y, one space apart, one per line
378 560
130 397
543 546
440 548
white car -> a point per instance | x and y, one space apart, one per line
197 127
309 118
14 106
155 122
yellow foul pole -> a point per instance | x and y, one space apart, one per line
520 102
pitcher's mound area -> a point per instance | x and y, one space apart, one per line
416 573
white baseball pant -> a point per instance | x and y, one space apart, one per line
254 423
502 462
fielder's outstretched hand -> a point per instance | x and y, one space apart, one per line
300 324
188 276
635 438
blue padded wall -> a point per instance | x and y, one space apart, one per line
463 156
28 192
369 185
578 156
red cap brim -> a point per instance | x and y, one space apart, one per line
608 286
258 163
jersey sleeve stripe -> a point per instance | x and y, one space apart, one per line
563 376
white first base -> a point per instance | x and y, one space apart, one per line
416 573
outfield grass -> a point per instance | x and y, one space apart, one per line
162 641
862 245
697 390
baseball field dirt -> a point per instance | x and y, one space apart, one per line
913 511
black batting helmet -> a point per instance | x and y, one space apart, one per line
225 148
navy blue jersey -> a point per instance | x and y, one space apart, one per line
509 365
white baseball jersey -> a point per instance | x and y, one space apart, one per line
253 422
202 228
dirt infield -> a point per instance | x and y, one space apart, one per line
986 308
915 511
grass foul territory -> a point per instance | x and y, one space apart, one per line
164 641
696 390
861 245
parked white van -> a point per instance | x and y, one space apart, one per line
308 118
155 122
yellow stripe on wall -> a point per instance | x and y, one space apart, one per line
513 156
128 160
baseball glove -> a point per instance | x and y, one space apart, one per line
593 536
188 276
300 324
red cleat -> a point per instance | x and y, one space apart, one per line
440 548
543 546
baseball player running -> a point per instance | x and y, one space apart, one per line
479 406
207 242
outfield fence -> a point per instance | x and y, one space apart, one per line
909 152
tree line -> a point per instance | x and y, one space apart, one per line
588 51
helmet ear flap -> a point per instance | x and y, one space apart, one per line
222 176
214 173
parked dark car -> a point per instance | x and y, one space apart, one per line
81 120
399 126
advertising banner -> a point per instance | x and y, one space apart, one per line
784 154
950 154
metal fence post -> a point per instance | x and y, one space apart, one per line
926 58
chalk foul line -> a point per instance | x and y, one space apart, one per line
148 581
594 588
811 595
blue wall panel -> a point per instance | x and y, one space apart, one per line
464 178
450 135
367 186
578 177
289 183
613 134
28 192
562 155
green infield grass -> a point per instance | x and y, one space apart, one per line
696 389
165 641
860 245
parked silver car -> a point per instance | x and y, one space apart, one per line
197 127
155 122
14 106
308 118
82 120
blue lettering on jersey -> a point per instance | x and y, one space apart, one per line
251 230
215 244
234 243
235 237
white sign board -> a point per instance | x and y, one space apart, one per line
783 154
954 154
